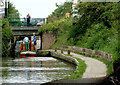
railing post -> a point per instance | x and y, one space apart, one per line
61 51
68 52
55 49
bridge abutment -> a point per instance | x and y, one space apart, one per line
48 39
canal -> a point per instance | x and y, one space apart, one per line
34 70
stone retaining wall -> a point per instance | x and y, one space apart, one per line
58 55
66 58
88 52
48 39
43 53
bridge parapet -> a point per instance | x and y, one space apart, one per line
25 28
22 22
23 31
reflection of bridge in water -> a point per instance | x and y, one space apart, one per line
21 29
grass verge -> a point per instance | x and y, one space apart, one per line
78 73
109 64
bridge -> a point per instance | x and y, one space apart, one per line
21 29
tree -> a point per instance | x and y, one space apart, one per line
12 11
62 10
13 15
6 36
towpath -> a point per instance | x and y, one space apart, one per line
95 68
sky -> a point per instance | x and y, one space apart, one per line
36 8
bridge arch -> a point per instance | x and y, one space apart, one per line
21 32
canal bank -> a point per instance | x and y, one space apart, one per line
79 64
94 74
58 55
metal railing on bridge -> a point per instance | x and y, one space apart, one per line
21 22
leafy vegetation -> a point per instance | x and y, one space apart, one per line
6 36
12 11
99 25
96 28
62 10
13 15
61 25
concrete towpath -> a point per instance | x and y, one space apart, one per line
94 69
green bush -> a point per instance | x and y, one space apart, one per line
61 25
6 36
62 10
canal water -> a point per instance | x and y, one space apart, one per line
34 70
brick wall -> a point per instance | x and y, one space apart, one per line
48 39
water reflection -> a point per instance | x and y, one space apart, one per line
35 70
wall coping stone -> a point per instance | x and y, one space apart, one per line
86 51
64 57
